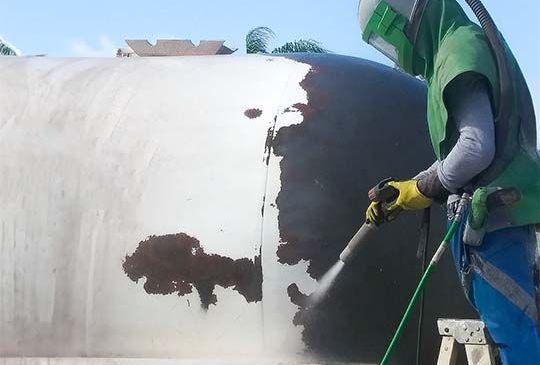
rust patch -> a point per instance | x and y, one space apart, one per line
176 263
296 296
253 113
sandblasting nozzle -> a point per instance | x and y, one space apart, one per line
363 234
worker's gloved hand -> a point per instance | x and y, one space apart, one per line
410 197
375 214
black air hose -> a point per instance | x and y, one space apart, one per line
506 133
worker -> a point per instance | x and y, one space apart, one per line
498 267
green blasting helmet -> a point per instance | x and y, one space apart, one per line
391 26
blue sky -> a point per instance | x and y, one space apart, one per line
98 27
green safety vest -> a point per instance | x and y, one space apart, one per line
465 49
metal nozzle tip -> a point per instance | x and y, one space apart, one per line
345 255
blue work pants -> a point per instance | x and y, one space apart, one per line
500 278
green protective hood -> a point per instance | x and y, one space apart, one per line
440 18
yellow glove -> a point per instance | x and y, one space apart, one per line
410 198
374 213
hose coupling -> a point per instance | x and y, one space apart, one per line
462 206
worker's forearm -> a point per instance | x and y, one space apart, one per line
470 108
430 170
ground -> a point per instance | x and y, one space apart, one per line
119 361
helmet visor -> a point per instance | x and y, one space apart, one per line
384 47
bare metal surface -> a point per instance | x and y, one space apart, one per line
99 154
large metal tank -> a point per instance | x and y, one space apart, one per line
184 207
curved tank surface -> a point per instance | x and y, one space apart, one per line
186 207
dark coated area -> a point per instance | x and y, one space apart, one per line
269 141
175 263
363 122
253 113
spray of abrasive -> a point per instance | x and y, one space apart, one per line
327 281
381 193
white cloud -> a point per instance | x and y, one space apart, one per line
105 48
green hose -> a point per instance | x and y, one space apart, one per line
412 303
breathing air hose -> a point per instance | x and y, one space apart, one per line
506 141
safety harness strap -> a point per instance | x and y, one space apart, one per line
505 285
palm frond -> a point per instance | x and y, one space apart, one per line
257 40
6 51
301 46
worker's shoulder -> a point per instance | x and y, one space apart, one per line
464 49
465 42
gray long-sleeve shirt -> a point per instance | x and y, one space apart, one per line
469 108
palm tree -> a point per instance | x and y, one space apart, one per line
258 38
7 49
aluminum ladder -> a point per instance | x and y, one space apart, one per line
470 333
